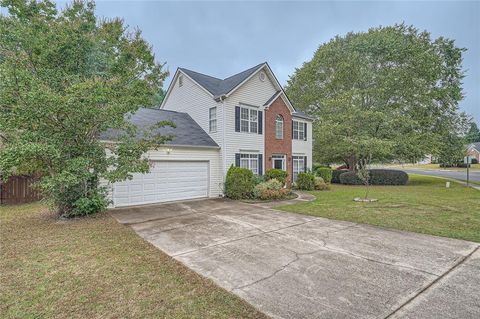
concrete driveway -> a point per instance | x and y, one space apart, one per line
296 266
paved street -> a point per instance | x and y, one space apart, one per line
460 175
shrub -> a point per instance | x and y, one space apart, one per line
239 183
305 181
336 175
257 179
377 177
271 189
90 204
474 161
325 173
320 184
316 166
277 174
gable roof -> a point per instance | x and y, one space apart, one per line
475 145
302 115
219 87
186 133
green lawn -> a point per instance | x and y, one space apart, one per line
474 167
423 206
96 268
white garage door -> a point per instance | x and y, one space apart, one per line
166 181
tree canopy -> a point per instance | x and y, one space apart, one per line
389 93
66 76
473 134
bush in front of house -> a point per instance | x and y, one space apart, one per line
474 161
305 181
377 177
257 179
278 174
239 183
325 173
270 190
320 184
336 175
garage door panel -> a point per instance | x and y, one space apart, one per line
167 181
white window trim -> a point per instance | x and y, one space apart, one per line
212 120
300 129
249 120
301 168
249 158
279 121
282 157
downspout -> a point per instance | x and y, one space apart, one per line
224 147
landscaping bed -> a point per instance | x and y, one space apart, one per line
93 267
424 205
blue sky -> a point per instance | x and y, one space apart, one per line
222 38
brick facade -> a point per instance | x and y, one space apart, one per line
274 146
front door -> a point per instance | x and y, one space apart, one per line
278 162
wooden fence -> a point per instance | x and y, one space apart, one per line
18 190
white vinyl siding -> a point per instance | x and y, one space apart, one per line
255 93
192 99
304 148
213 119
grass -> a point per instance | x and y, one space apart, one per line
425 205
473 167
96 268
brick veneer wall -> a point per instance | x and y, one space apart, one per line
274 145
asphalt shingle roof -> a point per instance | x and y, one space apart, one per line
187 132
475 145
218 87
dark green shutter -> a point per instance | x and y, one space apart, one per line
260 164
305 130
305 163
237 160
260 122
237 118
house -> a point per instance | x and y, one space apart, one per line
244 120
473 150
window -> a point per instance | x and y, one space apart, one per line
213 119
298 166
279 127
278 162
249 161
298 130
180 80
248 120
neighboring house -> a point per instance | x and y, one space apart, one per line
244 120
473 150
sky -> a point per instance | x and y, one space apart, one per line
222 38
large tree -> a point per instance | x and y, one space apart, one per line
389 93
473 134
64 78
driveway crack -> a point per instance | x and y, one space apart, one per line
424 289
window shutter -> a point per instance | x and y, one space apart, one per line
260 164
237 118
292 130
305 163
237 160
305 130
260 122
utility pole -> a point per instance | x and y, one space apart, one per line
468 170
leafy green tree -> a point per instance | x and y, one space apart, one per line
391 93
473 134
451 151
64 78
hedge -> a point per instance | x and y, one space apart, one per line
377 177
325 173
239 183
336 175
278 174
305 181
